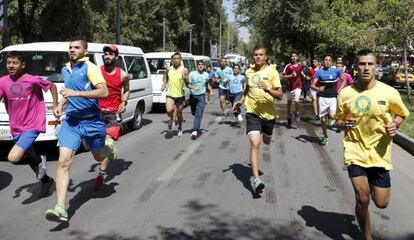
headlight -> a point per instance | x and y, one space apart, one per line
49 108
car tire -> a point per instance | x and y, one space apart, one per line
136 121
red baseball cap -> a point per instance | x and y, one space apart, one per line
111 48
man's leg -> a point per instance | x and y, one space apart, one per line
324 126
362 198
254 138
296 99
180 119
223 104
170 109
315 104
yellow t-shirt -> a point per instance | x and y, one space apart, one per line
175 82
367 144
257 101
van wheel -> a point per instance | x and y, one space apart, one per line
136 122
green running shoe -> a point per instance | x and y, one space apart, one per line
331 123
324 141
58 214
114 153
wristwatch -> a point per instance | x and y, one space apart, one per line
267 89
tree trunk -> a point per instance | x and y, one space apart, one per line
406 71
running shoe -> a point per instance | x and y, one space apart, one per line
240 118
194 135
324 141
99 182
58 214
170 125
114 153
258 186
297 117
42 168
317 118
46 188
179 133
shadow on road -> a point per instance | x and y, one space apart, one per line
243 174
87 192
333 225
5 179
306 138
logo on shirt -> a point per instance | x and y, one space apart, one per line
255 79
16 89
199 79
363 104
381 102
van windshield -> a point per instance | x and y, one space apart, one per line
45 64
158 65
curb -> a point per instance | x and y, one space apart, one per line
405 142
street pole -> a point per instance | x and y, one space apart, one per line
163 34
220 41
191 31
228 38
118 22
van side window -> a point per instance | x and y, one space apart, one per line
136 66
119 62
192 65
186 64
91 58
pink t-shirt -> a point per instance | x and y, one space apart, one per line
348 78
293 82
24 102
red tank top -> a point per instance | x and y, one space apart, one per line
114 84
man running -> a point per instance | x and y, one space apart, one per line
237 84
84 83
23 97
174 80
212 78
198 80
293 74
327 93
370 113
114 105
262 87
223 73
346 75
316 65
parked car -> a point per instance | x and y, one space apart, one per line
397 77
46 59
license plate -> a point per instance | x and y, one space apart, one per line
5 134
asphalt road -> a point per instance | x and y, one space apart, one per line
166 187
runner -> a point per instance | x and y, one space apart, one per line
346 75
370 113
262 87
175 78
316 65
22 95
327 93
212 78
84 83
114 105
223 73
293 74
237 84
198 80
306 77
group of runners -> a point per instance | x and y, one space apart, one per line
369 113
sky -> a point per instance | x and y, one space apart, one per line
228 6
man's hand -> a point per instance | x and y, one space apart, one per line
57 111
321 88
261 84
66 92
121 107
391 129
294 74
349 123
163 87
236 106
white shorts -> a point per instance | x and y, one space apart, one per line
326 106
293 93
313 91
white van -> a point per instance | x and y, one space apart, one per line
158 63
206 60
46 59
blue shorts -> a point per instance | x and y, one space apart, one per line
73 130
376 176
223 92
25 139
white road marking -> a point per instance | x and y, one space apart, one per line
167 174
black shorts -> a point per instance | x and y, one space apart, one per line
376 176
110 119
255 123
179 101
